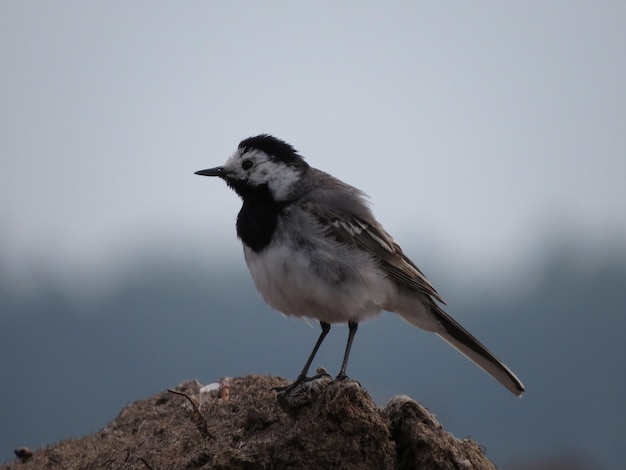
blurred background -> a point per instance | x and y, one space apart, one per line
490 137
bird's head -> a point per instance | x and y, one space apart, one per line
262 163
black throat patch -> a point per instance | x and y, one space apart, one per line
258 218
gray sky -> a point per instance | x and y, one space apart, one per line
477 128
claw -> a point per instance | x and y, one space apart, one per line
286 390
343 378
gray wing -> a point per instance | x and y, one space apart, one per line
354 230
345 217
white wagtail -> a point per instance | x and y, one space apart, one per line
314 249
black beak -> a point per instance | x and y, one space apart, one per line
217 171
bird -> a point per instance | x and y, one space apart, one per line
315 250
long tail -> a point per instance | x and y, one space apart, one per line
473 349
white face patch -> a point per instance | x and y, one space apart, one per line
280 178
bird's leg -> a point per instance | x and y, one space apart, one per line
302 377
342 373
325 329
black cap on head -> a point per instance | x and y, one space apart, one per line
275 148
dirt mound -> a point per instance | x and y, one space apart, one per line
322 424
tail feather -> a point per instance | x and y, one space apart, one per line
458 337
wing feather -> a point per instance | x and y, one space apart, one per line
369 236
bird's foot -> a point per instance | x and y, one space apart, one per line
289 388
343 378
286 390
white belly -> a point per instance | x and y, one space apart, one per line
333 286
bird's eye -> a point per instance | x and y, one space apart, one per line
246 164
